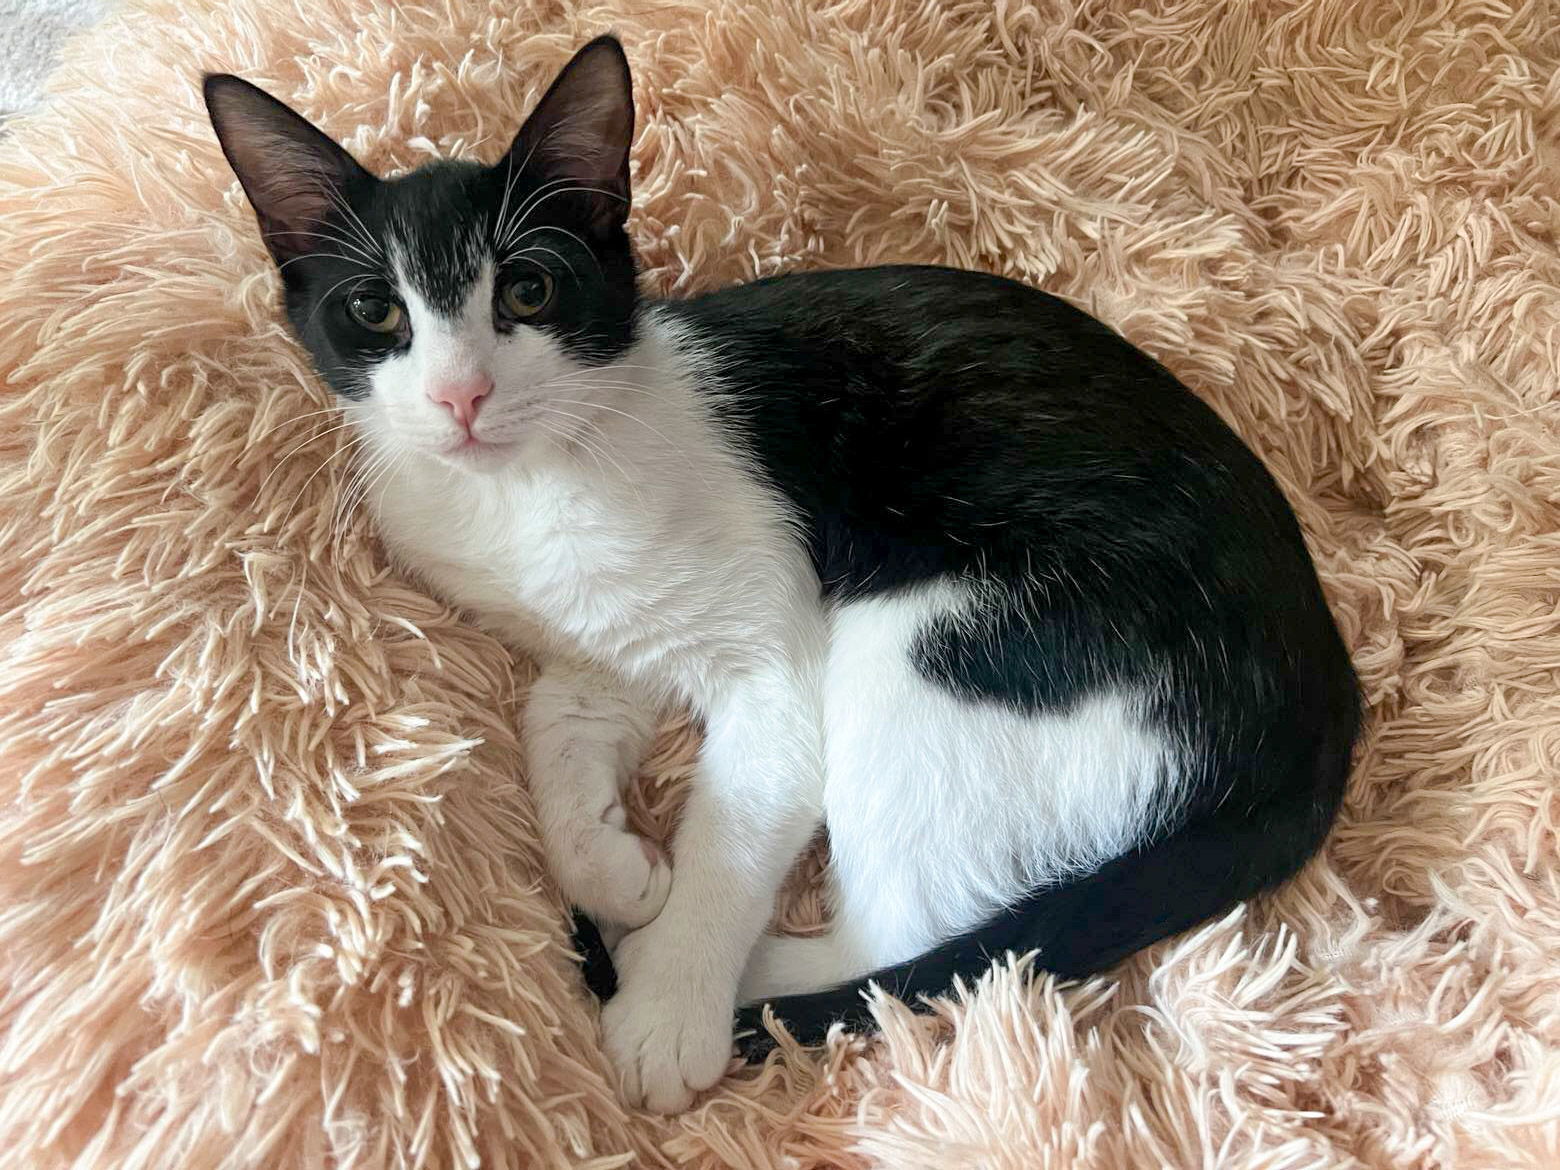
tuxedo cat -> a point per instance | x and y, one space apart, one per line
941 562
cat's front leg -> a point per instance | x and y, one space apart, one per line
585 732
756 801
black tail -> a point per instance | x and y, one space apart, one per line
1192 875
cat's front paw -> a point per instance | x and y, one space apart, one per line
616 877
667 1033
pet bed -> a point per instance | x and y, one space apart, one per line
270 890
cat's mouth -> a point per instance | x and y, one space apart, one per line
480 447
469 450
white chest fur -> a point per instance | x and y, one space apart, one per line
625 565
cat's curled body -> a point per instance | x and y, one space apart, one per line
940 562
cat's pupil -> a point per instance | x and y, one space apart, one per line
369 309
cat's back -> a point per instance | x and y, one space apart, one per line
934 419
923 369
915 318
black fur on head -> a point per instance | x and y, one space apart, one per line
346 241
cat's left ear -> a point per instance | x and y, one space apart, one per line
576 141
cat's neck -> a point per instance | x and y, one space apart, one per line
581 543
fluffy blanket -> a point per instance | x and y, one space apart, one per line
270 892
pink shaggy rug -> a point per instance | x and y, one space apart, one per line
270 893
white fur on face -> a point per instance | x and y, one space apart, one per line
530 370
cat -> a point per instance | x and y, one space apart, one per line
940 561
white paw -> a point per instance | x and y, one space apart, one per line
666 1031
616 877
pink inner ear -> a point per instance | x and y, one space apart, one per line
582 129
291 171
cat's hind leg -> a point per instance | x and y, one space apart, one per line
943 809
786 965
585 733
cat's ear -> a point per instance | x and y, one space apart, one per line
293 174
576 141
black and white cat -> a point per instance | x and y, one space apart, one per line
941 562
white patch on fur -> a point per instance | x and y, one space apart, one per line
584 735
404 420
940 810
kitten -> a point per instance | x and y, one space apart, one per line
941 562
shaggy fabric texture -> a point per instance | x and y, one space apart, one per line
270 893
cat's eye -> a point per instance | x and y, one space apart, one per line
375 311
525 295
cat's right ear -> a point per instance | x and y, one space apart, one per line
293 174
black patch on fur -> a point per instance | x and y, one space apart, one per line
596 967
929 424
1156 890
442 223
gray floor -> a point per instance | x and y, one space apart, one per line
30 36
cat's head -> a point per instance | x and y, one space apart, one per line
461 308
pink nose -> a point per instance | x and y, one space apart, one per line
462 396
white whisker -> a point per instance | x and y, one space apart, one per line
314 438
597 451
355 224
290 419
540 196
367 259
329 459
325 297
636 419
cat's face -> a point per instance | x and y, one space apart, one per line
464 311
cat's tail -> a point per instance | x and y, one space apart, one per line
1187 877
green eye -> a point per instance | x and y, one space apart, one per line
525 295
375 312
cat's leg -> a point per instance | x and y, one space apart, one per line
754 805
783 964
880 917
584 735
787 965
895 854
